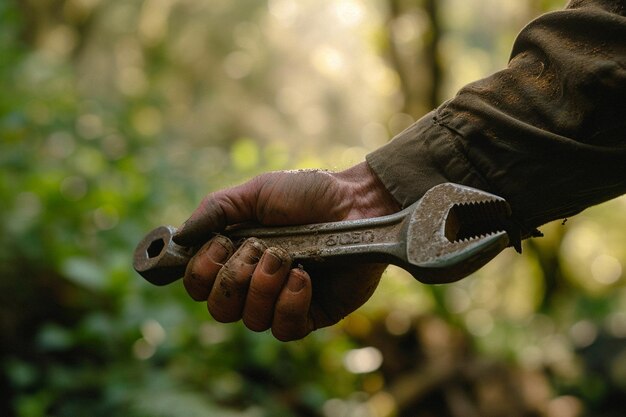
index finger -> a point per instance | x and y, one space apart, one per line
216 211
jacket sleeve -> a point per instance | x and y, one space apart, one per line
548 133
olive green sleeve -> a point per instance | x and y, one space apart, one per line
548 133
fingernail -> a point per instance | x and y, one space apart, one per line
251 251
295 283
271 263
218 252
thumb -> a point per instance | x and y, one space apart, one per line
216 211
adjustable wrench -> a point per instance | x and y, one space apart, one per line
449 233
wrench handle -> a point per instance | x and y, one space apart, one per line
161 261
324 241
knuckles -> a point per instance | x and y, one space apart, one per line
232 286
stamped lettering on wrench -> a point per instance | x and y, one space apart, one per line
351 238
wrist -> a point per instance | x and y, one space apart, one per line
367 192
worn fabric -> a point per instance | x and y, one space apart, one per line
548 133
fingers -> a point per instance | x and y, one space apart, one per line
254 284
228 295
205 265
291 316
265 286
260 288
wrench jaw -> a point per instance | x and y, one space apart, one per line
455 265
455 232
158 259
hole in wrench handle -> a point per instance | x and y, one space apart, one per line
159 259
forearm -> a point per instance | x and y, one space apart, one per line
547 133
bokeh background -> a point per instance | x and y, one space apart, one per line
117 116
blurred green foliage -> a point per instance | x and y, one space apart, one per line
118 116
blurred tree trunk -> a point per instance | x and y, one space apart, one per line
420 72
43 17
431 51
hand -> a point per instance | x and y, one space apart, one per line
256 283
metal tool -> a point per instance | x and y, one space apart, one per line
452 231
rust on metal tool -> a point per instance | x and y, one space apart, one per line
159 259
449 233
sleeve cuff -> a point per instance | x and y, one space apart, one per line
424 155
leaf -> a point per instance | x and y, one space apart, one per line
84 272
54 337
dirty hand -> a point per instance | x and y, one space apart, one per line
258 284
